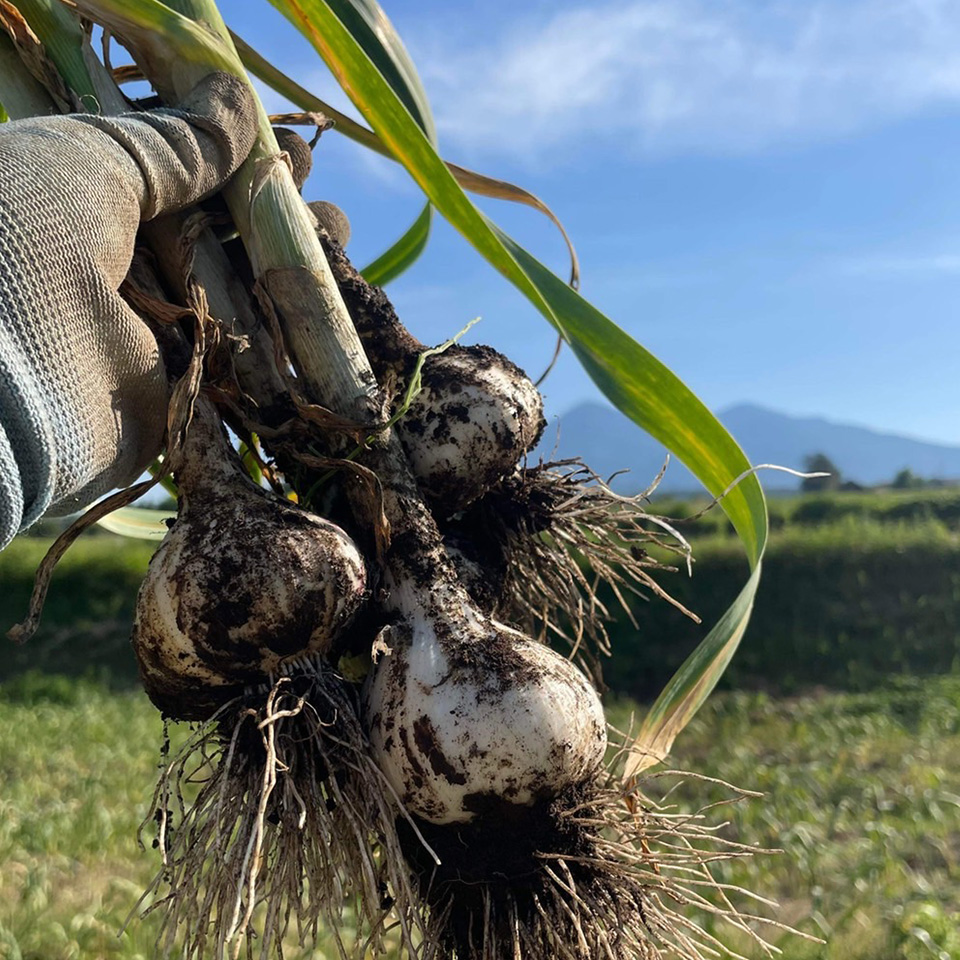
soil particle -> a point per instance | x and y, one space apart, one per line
387 343
495 659
426 739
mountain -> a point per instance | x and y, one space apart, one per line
608 442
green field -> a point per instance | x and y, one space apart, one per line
855 741
862 794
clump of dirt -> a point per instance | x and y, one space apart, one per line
502 844
519 878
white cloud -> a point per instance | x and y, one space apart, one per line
695 75
936 263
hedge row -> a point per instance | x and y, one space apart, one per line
841 606
86 620
885 506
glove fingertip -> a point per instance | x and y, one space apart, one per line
226 103
332 220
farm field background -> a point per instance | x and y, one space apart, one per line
847 718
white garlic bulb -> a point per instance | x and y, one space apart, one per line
465 714
244 583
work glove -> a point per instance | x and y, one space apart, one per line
83 391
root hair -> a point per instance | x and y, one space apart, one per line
624 880
562 535
291 824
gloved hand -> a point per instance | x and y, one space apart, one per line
83 392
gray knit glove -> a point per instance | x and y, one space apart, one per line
83 391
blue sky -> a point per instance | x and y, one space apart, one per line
765 194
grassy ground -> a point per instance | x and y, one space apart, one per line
89 609
862 792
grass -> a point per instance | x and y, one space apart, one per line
89 609
862 789
862 793
77 764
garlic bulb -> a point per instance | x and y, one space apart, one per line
465 713
243 583
476 416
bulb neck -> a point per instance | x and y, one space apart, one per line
206 461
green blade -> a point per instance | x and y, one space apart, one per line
250 463
690 686
140 523
644 389
391 263
638 384
4 116
62 36
261 68
374 32
468 179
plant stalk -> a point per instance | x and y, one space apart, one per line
277 229
289 263
20 93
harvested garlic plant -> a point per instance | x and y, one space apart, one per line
516 836
235 623
243 583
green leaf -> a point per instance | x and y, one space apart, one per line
248 457
376 35
468 179
635 381
140 523
391 263
276 80
378 38
22 95
62 36
644 389
690 686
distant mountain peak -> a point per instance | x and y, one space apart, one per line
608 442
